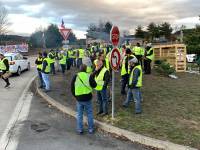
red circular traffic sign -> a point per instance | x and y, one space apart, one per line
114 35
115 59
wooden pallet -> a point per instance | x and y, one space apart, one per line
174 54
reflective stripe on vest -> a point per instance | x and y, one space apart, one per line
123 70
151 57
48 68
139 82
81 53
99 79
2 65
82 85
40 65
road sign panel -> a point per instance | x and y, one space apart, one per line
115 59
115 35
65 33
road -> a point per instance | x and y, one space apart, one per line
36 126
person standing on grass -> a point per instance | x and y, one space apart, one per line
46 69
4 68
81 88
102 78
135 84
62 61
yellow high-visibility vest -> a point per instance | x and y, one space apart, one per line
82 84
139 82
2 65
99 79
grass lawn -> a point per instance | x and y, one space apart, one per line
171 108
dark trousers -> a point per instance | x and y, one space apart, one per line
125 79
147 66
68 62
102 101
79 62
53 71
63 68
6 80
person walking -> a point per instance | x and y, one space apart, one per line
102 78
46 71
81 88
38 62
135 84
4 68
149 57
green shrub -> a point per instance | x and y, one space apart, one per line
164 68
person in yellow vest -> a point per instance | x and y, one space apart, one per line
149 57
46 69
38 62
80 56
102 78
62 61
135 84
4 68
52 60
82 85
124 71
138 51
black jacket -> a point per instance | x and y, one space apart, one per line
85 97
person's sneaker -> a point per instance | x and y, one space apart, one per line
7 85
104 114
125 106
46 91
99 113
80 132
138 112
91 131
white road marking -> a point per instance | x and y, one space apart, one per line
17 114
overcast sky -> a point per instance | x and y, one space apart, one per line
26 16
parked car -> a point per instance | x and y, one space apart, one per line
18 63
191 58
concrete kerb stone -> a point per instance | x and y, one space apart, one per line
117 131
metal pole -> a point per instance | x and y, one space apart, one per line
113 94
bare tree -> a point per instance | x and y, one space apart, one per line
3 20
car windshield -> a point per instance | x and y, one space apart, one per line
9 58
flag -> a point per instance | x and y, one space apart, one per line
62 24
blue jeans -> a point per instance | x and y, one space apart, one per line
102 99
46 80
136 94
80 106
40 79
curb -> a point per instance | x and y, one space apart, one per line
117 131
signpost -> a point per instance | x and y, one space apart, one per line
114 60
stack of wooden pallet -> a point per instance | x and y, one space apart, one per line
174 54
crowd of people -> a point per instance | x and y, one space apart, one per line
94 72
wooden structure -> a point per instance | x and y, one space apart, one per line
174 54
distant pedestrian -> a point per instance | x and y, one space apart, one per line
4 69
135 84
149 57
38 62
52 59
81 88
62 61
46 71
